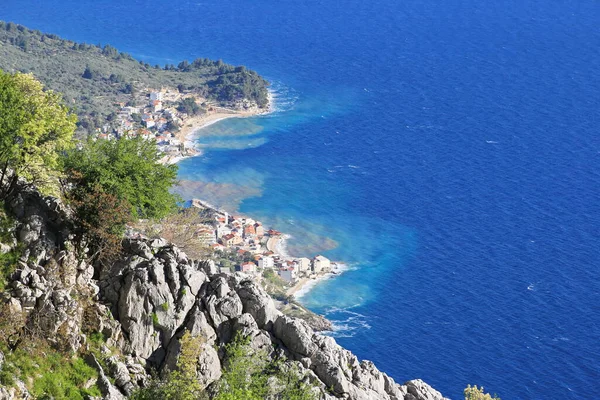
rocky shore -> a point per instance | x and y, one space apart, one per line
144 302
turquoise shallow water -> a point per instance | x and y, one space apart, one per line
447 151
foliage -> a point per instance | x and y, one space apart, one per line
274 285
49 374
238 86
11 324
243 377
8 264
61 65
127 169
475 393
188 106
99 216
8 260
34 127
250 375
182 383
181 228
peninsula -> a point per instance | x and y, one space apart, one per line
104 84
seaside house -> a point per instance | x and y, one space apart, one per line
249 231
321 264
266 262
303 265
156 106
161 124
231 240
217 247
288 274
258 228
130 110
205 235
248 267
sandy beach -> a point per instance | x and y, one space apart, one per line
186 134
304 285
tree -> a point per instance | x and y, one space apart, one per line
35 127
128 169
181 384
188 106
89 73
250 375
475 393
99 216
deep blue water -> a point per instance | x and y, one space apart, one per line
447 151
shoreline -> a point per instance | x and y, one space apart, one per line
189 132
305 285
277 244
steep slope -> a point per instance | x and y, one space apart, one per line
145 301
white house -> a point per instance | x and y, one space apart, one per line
266 262
156 96
321 264
303 265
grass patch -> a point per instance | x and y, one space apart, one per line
49 374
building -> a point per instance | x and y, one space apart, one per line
248 267
156 96
205 235
321 264
231 240
156 105
249 231
258 228
303 265
288 274
217 247
266 262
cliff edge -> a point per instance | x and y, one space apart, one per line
146 300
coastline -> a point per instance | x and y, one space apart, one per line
189 131
305 285
276 244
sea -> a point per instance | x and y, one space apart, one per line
447 152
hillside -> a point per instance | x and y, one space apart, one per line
99 330
93 78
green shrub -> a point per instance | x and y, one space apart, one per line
475 393
49 374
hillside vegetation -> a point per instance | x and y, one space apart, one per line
93 78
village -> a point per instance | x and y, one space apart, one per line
167 117
259 248
157 120
242 244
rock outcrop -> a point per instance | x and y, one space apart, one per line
144 302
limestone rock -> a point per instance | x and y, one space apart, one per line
258 303
422 391
109 392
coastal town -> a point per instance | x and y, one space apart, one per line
168 117
257 250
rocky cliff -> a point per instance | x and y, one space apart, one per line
145 301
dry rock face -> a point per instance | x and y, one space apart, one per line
157 293
144 303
